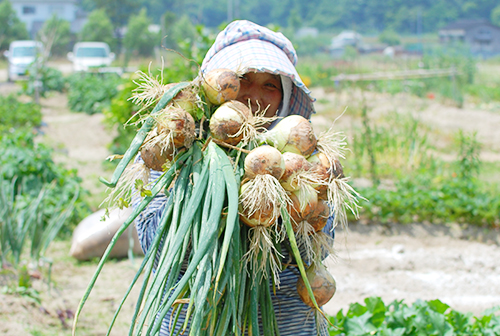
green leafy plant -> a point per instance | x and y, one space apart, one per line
15 114
98 28
434 191
138 40
29 169
432 317
51 79
91 92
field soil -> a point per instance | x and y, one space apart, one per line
457 265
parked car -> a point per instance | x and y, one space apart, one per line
20 56
88 55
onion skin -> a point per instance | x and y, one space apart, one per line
319 216
185 99
228 120
262 217
155 157
321 168
294 164
293 134
294 210
180 124
221 85
264 160
322 283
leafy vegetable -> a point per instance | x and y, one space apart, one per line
421 318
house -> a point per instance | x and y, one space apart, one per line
35 12
344 39
482 37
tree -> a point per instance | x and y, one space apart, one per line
389 37
495 16
118 11
11 28
55 36
98 28
175 31
138 39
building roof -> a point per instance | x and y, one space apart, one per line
468 24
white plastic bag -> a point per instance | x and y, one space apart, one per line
92 236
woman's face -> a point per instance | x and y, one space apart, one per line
263 90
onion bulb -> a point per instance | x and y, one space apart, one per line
221 85
295 164
322 283
325 170
186 99
176 126
263 216
292 134
156 157
264 160
319 216
228 121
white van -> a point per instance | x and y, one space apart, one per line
20 56
87 55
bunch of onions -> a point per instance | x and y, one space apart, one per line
220 85
261 198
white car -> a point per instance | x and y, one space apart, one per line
21 55
88 55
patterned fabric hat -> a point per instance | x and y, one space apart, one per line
245 46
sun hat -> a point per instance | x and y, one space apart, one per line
244 46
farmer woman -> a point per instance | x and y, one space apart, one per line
269 81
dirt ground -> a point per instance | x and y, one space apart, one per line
458 266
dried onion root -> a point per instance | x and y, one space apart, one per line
261 198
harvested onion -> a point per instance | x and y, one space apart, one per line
319 216
221 85
264 160
228 121
292 134
322 283
177 126
295 164
156 157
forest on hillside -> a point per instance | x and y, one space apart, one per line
418 16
